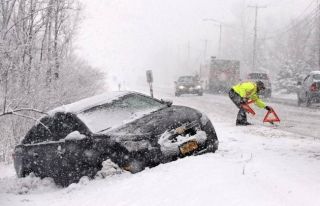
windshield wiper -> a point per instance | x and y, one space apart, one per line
103 130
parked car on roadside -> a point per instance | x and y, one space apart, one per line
188 85
131 129
265 79
309 89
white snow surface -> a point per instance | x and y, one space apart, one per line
315 72
256 165
291 96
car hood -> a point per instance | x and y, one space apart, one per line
156 123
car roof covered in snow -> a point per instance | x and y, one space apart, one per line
90 102
315 72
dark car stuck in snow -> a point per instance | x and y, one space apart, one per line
132 130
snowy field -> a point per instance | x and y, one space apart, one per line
255 165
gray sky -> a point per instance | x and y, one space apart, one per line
126 37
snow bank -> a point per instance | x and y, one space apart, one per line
35 185
109 169
29 184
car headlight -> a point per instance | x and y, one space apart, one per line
180 130
181 87
198 87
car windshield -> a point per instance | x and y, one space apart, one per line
124 110
257 76
186 79
316 76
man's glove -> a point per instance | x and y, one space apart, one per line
268 108
243 101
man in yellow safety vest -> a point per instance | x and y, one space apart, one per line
241 93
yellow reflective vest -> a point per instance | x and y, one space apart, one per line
248 90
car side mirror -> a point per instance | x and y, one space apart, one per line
299 83
168 102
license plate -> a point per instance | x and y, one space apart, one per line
188 147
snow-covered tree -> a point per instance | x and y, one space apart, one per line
38 68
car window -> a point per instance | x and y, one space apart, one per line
316 76
54 128
121 111
186 79
39 132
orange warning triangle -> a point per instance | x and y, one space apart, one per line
248 108
271 116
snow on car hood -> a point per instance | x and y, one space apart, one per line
170 147
90 102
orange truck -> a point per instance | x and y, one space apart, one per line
223 74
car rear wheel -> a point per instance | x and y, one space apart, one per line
24 173
299 100
134 166
308 102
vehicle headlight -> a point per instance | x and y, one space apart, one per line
198 87
180 130
181 87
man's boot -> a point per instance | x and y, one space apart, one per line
243 123
242 118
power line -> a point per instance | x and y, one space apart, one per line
304 23
287 28
300 23
274 54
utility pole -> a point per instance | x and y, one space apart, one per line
188 58
188 50
220 37
256 7
205 49
217 23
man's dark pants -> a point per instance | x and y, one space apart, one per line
237 100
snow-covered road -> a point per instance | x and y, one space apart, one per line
299 120
255 165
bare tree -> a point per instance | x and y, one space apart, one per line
38 70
